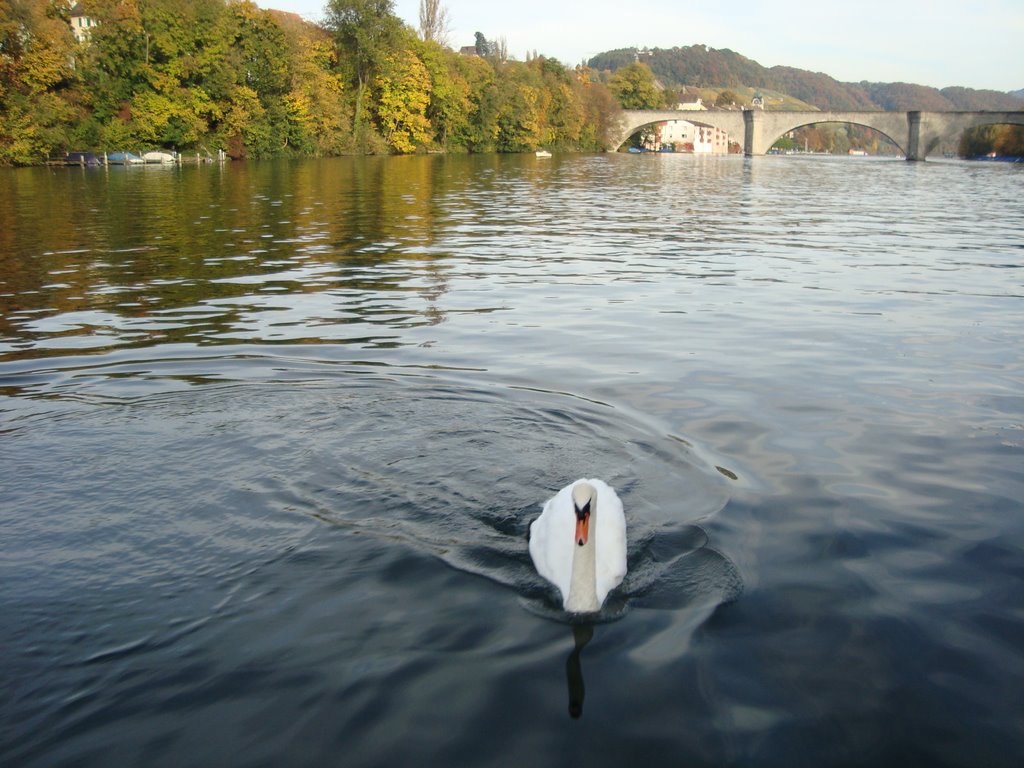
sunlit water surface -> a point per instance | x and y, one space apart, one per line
271 437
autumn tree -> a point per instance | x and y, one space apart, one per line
635 87
450 107
599 109
521 103
113 65
563 107
727 99
258 123
318 112
473 124
36 51
366 32
402 93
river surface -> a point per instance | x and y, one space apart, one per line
272 435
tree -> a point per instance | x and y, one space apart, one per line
36 50
521 106
449 105
366 31
473 126
499 50
115 63
726 98
599 108
563 108
402 90
635 88
434 22
495 51
483 47
319 116
262 52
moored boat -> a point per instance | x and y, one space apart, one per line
81 158
124 158
164 158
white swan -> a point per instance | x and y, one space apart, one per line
579 544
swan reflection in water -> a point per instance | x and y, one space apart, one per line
582 634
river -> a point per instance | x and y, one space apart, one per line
272 435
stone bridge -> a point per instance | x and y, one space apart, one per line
916 133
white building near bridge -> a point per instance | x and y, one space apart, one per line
684 136
689 137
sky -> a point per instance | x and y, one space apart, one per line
977 45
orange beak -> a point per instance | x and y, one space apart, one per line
582 527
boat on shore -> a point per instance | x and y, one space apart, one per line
81 158
124 158
159 158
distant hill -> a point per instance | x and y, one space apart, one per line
698 66
1018 94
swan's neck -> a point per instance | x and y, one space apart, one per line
582 597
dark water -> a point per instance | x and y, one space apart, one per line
271 436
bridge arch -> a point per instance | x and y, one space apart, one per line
892 125
633 120
769 127
936 127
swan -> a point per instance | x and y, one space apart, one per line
578 543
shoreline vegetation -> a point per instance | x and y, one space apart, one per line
211 75
206 77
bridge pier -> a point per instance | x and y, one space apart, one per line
914 148
754 133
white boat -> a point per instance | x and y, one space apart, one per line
164 158
542 153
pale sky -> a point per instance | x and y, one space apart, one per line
976 45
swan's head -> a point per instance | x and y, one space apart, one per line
584 500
